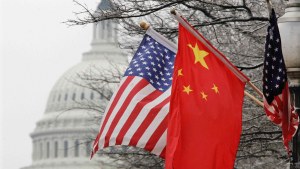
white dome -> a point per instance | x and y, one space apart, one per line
62 138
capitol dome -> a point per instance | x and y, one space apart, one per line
63 137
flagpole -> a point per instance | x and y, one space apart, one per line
254 99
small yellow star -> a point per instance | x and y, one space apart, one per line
199 55
204 96
215 88
180 72
187 89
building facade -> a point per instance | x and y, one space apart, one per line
63 137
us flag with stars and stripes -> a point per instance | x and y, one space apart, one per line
275 86
137 112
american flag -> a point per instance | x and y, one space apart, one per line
137 112
275 87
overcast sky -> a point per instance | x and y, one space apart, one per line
36 49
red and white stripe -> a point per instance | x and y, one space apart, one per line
135 116
281 115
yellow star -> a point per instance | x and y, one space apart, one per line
199 55
204 96
187 89
180 72
215 88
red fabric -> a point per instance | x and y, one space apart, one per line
282 113
203 133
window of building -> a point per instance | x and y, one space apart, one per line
88 148
56 149
65 148
48 150
92 96
74 96
66 96
82 96
41 150
59 97
109 29
76 150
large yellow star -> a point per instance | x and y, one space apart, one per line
204 96
180 72
187 89
215 88
199 55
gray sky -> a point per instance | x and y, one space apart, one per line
36 49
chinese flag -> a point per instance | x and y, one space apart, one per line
205 108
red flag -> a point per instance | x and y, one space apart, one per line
205 108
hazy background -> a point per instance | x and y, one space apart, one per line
36 48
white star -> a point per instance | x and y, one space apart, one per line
270 46
268 54
138 69
156 77
150 57
161 73
277 40
276 49
168 74
148 38
170 63
154 69
278 77
163 79
147 52
141 73
142 58
161 89
157 58
136 65
170 78
273 67
144 63
166 69
152 47
152 63
166 50
148 68
267 94
267 63
139 53
159 65
266 71
279 69
280 61
144 47
154 52
130 72
166 84
168 57
266 87
151 81
274 58
149 73
158 83
276 85
271 37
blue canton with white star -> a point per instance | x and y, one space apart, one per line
274 75
153 62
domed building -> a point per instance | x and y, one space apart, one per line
63 137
